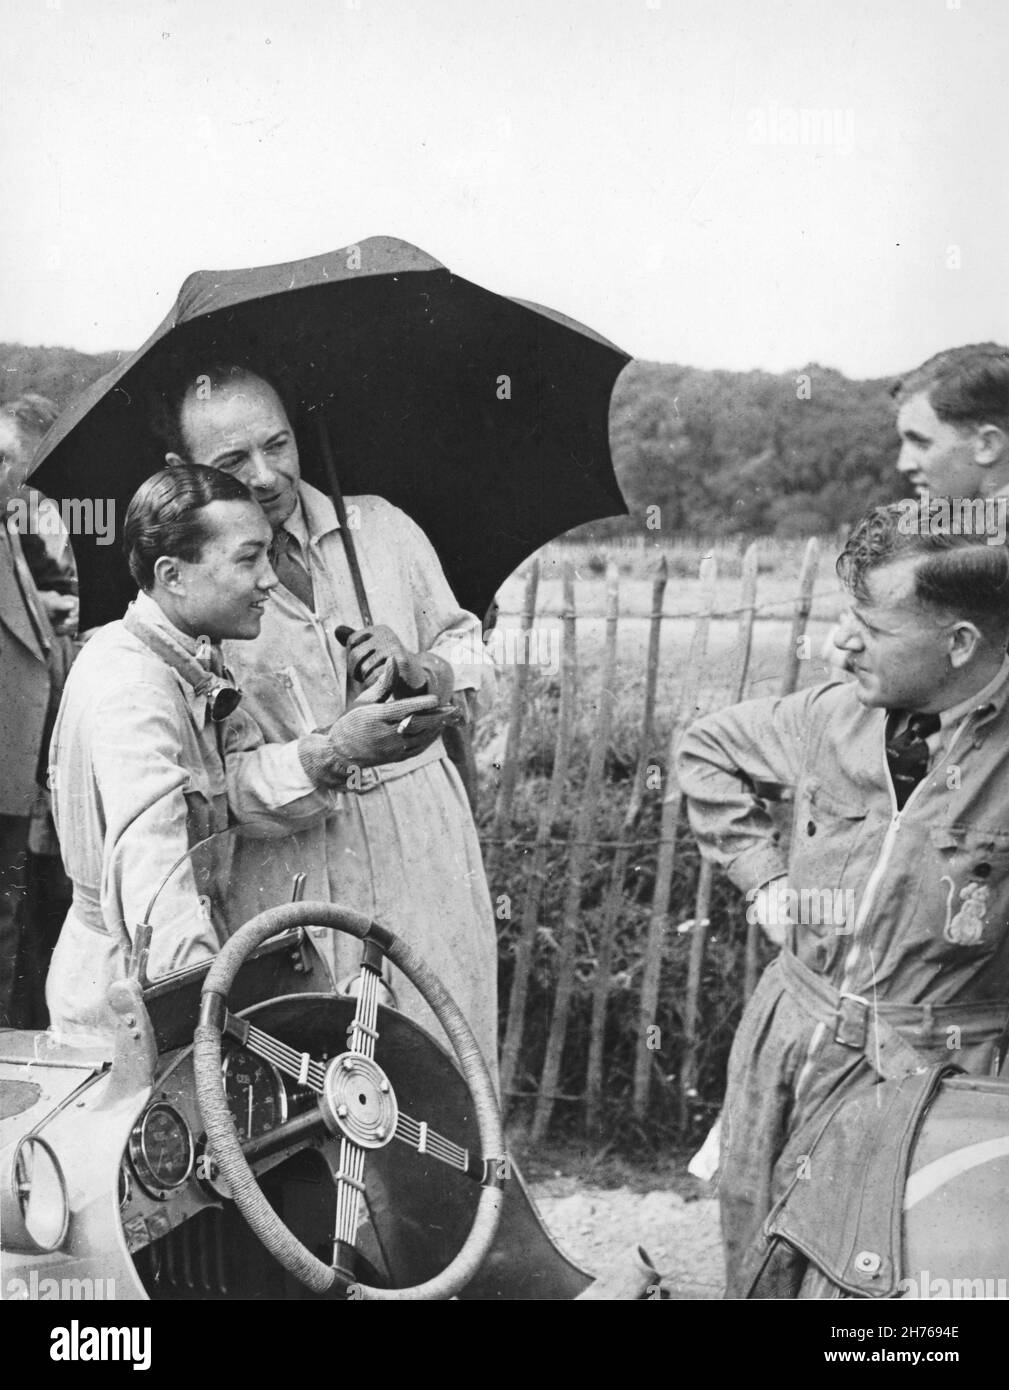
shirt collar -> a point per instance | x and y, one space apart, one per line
152 614
993 695
313 517
295 526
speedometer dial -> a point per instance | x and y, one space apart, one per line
255 1091
161 1149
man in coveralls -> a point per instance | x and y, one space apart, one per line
901 824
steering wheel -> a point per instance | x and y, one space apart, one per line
356 1103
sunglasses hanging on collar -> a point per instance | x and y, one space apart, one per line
222 697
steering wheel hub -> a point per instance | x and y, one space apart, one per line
358 1101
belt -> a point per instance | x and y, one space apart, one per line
368 778
877 1029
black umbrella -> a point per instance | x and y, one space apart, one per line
484 418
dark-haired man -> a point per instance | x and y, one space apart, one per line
894 900
953 421
402 844
146 759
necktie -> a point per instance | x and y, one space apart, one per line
908 753
290 570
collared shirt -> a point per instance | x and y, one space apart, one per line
296 526
406 587
974 704
154 615
291 779
919 903
951 719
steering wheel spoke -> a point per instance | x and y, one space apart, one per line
418 1135
349 1192
300 1066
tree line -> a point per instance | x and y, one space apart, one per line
754 453
716 452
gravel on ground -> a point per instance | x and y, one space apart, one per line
596 1224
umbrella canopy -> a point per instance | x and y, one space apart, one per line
484 418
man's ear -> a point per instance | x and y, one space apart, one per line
174 460
965 639
991 445
167 573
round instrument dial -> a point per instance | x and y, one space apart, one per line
161 1150
256 1095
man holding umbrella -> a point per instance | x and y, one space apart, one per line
402 845
485 419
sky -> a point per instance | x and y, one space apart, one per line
721 183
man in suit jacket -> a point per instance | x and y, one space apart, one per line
25 642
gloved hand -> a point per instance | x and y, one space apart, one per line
62 610
369 648
366 736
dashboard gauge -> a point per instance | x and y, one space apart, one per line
255 1091
161 1150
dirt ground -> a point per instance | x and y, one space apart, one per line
672 1215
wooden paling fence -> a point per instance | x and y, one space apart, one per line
581 845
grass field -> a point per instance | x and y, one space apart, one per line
777 585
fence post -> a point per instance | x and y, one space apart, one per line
671 801
525 946
705 878
516 715
790 679
615 893
803 607
578 864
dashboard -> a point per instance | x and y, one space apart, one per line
166 1175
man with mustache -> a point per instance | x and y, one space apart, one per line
901 780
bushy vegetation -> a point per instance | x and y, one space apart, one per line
793 454
57 372
721 997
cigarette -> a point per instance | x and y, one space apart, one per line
404 724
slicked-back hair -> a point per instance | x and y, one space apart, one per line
165 516
964 386
958 574
164 403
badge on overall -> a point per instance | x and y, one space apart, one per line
966 926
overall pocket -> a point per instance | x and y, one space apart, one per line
825 834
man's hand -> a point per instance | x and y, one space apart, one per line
368 735
771 908
368 650
62 610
